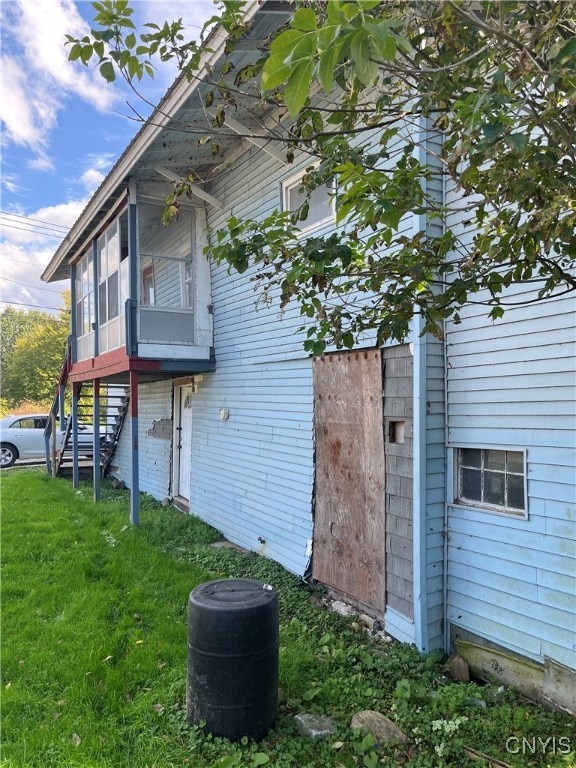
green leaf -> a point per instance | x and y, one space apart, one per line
75 52
304 19
107 71
260 758
296 91
130 40
517 141
275 72
327 67
286 42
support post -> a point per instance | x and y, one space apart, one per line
74 417
96 439
134 485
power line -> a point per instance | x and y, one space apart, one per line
39 221
23 304
33 231
27 285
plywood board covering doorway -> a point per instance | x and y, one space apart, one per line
349 527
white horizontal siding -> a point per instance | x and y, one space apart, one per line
512 383
154 453
252 474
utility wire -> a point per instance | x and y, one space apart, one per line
58 236
23 304
27 285
39 221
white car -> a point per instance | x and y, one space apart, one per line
22 437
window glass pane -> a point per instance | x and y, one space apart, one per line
85 316
471 484
470 457
295 196
90 273
24 424
495 460
79 321
102 317
91 309
101 251
189 285
515 461
124 289
113 296
113 248
147 298
319 203
516 491
494 488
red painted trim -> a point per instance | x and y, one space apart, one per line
108 364
134 394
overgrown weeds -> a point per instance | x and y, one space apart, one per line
94 655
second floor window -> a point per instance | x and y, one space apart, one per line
320 203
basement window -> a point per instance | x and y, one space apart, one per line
492 479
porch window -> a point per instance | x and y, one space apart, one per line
148 286
167 277
112 263
320 202
492 479
85 305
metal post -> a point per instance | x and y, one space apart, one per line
74 417
96 440
134 485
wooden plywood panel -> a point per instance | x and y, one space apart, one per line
349 528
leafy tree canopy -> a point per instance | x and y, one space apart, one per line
358 80
32 354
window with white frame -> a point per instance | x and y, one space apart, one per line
491 479
320 202
84 295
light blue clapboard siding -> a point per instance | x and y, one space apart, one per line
516 381
512 383
154 404
435 424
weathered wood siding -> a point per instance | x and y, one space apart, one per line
398 400
350 526
512 383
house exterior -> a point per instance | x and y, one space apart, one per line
429 483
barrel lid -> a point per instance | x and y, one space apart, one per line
232 593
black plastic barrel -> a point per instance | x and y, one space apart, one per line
233 644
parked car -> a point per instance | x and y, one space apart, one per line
22 437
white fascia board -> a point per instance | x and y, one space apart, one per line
176 97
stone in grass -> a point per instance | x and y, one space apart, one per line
458 669
315 726
381 727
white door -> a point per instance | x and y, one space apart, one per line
183 442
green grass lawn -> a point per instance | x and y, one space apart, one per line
94 644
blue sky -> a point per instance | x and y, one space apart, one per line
63 127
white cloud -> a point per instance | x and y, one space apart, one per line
37 76
27 250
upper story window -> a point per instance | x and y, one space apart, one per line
166 263
112 253
85 306
320 203
492 479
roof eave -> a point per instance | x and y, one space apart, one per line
174 98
